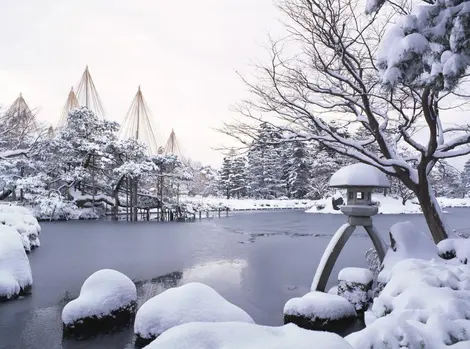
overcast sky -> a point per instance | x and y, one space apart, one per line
184 54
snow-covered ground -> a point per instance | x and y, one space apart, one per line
239 335
387 204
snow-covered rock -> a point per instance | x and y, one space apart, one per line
319 311
238 335
15 271
355 284
107 302
425 304
333 290
359 175
406 241
193 302
455 248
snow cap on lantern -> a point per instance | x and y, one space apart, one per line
359 180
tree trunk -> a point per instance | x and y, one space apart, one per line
432 212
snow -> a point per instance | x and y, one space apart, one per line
320 305
333 290
461 248
188 303
237 335
409 242
24 222
358 275
103 292
359 175
15 271
425 304
211 203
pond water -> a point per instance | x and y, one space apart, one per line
256 260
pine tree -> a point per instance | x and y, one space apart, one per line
225 177
465 178
298 169
239 177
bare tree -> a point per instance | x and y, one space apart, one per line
326 68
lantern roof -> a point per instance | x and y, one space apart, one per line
359 175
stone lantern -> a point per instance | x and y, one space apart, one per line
359 180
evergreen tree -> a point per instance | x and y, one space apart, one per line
445 180
239 177
465 178
299 171
225 177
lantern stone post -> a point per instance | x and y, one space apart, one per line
359 180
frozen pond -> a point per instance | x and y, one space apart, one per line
256 260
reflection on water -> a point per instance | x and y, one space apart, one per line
43 328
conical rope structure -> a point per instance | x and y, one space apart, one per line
20 115
138 124
71 103
172 146
87 95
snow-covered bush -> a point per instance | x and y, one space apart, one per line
107 302
238 335
406 241
319 311
25 224
355 284
193 302
53 207
15 271
425 305
455 248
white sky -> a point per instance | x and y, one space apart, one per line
184 54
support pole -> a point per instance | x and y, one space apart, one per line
330 256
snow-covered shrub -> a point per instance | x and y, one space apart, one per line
193 302
238 335
406 241
425 305
107 302
319 311
53 207
22 220
15 271
355 284
455 248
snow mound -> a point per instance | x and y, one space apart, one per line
102 293
319 305
188 303
451 248
425 304
407 242
238 335
22 220
15 271
358 275
359 175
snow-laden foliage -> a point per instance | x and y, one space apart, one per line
83 163
428 47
